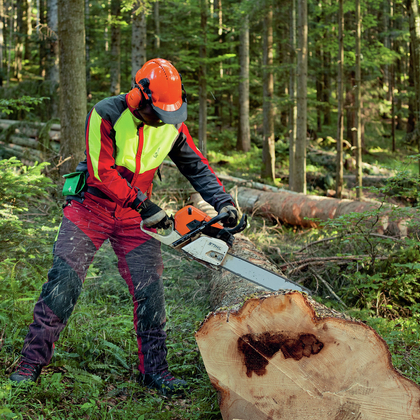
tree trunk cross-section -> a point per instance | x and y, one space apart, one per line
282 355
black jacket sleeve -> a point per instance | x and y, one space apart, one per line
195 167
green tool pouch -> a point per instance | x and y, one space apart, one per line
74 183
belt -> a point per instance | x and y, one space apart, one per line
98 193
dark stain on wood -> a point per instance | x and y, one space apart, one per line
259 348
348 411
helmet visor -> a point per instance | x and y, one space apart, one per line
172 117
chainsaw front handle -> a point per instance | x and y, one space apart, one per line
168 239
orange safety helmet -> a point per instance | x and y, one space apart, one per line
161 86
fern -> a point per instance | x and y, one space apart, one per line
83 376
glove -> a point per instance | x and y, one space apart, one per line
232 219
153 216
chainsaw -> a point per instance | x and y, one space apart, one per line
204 240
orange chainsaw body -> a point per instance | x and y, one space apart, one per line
188 218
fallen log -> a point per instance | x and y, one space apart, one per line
26 141
54 128
239 181
299 209
282 355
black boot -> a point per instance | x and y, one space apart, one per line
164 382
26 372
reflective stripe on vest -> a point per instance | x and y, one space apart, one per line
157 143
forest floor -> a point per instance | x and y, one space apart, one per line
93 371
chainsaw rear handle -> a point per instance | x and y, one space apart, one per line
240 227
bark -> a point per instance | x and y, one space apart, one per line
295 209
157 26
9 58
326 94
202 82
52 68
28 29
359 190
115 71
283 355
19 39
269 156
71 35
138 39
292 92
220 32
299 167
387 13
349 105
340 94
87 45
244 135
414 21
1 41
43 45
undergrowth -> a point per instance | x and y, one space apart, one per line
94 368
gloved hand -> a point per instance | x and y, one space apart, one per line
153 216
232 219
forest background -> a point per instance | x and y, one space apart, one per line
276 92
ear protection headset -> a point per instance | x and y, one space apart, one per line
141 94
137 96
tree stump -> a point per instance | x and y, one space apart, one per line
282 355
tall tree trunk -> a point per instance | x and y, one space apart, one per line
157 26
244 136
53 75
386 12
138 39
299 175
392 81
220 31
292 92
319 79
28 29
11 23
269 157
326 92
359 191
43 48
115 70
412 103
340 94
1 40
414 20
202 82
19 39
87 27
349 106
71 36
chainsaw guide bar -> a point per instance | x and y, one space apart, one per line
204 240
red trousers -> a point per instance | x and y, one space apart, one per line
84 229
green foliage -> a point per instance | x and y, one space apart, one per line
24 103
24 240
29 100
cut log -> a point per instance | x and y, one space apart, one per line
282 355
239 181
296 209
4 124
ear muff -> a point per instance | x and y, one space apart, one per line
134 97
139 93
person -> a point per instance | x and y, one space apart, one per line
127 138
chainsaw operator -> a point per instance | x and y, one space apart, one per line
127 138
